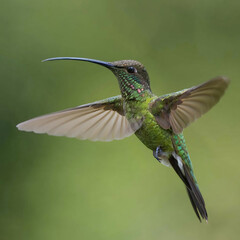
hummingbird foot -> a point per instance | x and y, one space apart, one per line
157 153
162 156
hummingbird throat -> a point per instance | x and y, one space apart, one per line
131 86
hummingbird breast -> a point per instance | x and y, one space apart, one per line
149 133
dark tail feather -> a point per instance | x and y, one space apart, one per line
196 195
192 189
193 200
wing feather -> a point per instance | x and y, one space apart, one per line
103 121
182 108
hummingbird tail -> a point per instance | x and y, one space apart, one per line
195 196
193 191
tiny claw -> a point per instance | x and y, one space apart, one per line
157 153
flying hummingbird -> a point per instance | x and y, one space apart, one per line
157 121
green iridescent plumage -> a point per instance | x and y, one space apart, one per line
157 121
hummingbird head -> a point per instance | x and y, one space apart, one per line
132 76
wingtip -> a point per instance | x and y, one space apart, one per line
223 78
20 126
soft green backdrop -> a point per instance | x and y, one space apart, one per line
59 188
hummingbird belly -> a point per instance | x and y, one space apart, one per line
152 135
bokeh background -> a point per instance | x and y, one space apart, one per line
60 188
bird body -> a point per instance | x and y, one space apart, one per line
150 133
157 121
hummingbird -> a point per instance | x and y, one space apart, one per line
158 121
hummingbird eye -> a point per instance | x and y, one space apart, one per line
131 70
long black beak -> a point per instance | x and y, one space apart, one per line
105 64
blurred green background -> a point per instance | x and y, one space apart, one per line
60 188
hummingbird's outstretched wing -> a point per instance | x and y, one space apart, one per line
178 110
102 120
